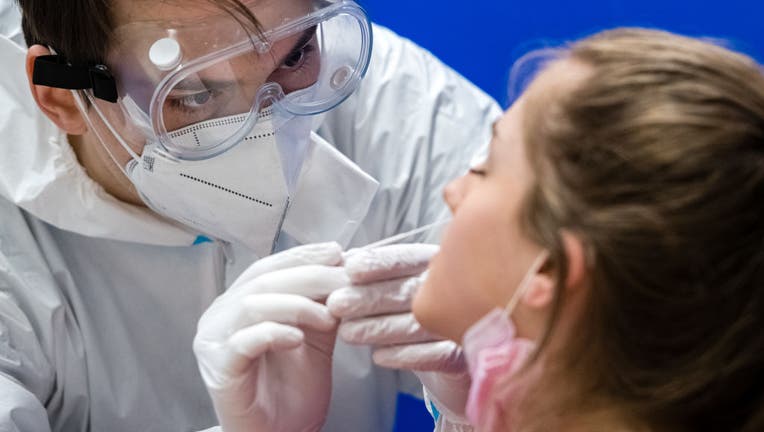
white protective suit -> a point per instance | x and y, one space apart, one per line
10 21
99 300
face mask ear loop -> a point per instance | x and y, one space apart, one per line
525 284
83 109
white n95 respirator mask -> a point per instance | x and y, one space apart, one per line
238 196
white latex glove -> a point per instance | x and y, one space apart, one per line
265 346
376 310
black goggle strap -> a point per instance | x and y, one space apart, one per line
54 71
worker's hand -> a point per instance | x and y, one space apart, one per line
376 310
265 346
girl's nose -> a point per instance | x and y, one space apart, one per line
454 192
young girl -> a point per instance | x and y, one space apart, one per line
604 269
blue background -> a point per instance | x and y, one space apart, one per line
482 39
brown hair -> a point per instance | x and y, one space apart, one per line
81 30
656 161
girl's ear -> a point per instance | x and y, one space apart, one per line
575 251
57 104
541 292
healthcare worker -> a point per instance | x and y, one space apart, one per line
198 141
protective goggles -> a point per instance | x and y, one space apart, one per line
173 82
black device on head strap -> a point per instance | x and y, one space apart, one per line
54 71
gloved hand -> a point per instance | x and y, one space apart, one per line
265 346
376 310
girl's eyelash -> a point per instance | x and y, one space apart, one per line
476 171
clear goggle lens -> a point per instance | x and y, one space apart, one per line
305 68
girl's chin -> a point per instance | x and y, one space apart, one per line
430 312
422 306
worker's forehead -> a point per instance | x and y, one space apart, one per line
187 12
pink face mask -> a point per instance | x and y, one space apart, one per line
493 350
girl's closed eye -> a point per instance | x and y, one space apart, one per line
479 170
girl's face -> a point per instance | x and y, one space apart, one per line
483 254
